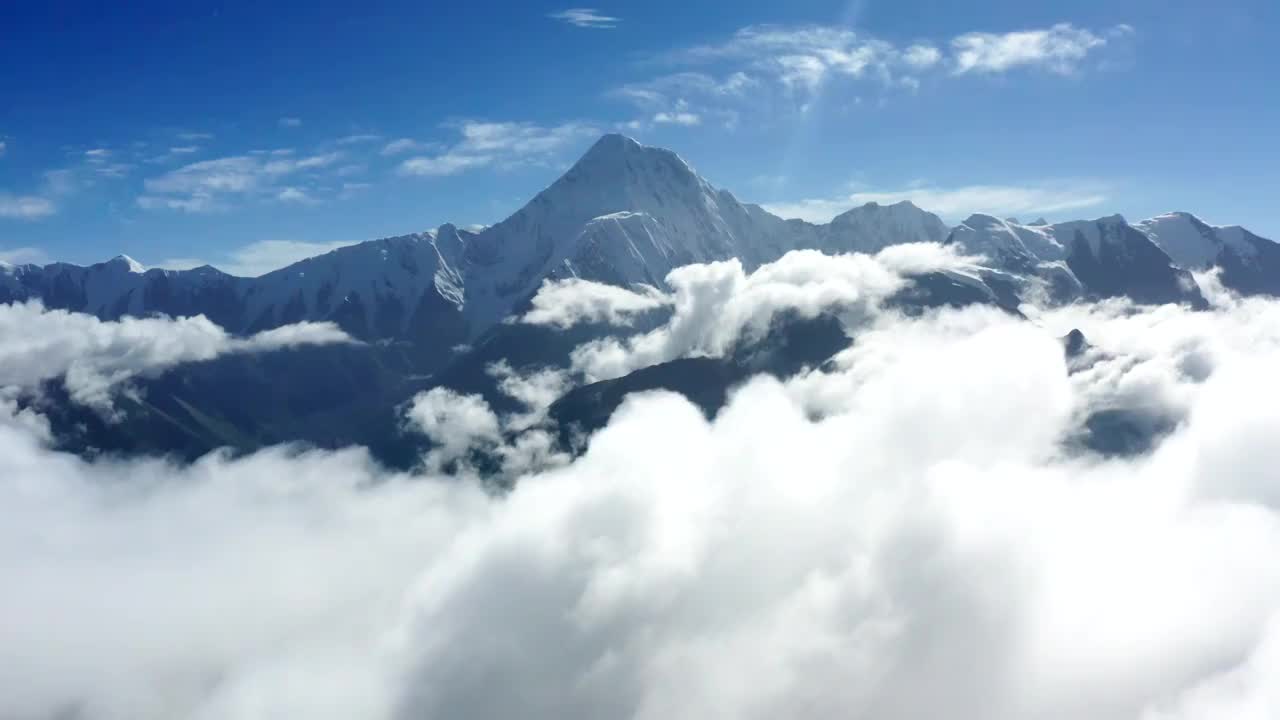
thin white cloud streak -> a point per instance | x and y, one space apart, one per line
501 144
290 122
924 530
586 18
442 165
687 119
259 258
24 256
359 139
1058 49
786 67
95 357
25 207
954 203
210 185
400 146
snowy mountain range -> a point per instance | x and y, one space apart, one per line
626 213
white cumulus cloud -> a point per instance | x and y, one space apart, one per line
901 535
95 357
565 303
716 304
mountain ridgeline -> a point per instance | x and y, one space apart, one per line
431 305
626 213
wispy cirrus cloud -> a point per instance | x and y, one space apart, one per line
105 162
23 256
25 207
955 203
585 18
788 66
502 144
210 185
358 139
174 154
446 164
290 122
677 118
686 95
400 146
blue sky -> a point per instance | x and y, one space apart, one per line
247 134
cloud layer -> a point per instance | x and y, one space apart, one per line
904 534
717 304
95 357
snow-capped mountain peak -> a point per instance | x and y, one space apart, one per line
629 213
506 262
126 263
1006 242
873 226
1104 230
1193 243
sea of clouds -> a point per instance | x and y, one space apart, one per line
905 533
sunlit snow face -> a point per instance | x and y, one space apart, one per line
903 534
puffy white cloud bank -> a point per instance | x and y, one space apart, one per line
714 305
902 535
95 357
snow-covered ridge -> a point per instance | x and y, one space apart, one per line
627 213
1193 243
